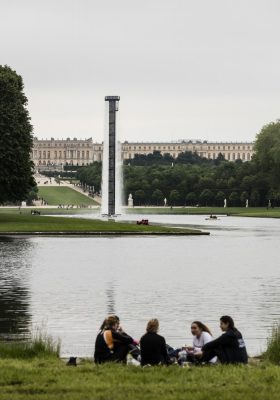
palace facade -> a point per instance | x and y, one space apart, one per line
53 153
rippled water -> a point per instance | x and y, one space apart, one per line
70 284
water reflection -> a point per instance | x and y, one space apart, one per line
15 314
110 294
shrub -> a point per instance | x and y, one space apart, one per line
272 353
38 345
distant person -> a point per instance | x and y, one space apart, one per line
110 344
133 348
153 346
229 347
201 336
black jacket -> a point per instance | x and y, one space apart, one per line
229 347
153 349
102 353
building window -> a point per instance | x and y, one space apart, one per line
243 156
248 156
233 156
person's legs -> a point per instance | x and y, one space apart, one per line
134 351
120 353
217 352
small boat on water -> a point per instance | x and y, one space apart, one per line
212 218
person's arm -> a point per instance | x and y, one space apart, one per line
118 337
222 340
164 351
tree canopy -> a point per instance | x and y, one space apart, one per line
16 167
267 151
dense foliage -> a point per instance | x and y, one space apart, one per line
267 148
192 184
91 175
16 167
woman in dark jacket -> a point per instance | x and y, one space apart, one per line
153 346
110 344
229 347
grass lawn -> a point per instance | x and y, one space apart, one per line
55 195
50 379
236 211
27 223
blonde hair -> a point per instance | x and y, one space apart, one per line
152 326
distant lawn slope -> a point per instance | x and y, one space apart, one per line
23 223
55 195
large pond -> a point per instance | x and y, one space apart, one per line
68 285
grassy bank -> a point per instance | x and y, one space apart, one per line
50 379
55 195
234 211
26 223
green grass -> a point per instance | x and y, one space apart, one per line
272 353
15 222
38 345
55 195
50 379
235 211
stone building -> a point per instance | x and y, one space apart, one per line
230 150
57 153
52 153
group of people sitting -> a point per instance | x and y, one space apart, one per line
113 344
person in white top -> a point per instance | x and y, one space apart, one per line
201 336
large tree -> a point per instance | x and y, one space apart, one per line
16 167
267 148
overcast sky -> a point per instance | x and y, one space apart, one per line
184 69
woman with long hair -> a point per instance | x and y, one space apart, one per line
110 344
229 347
